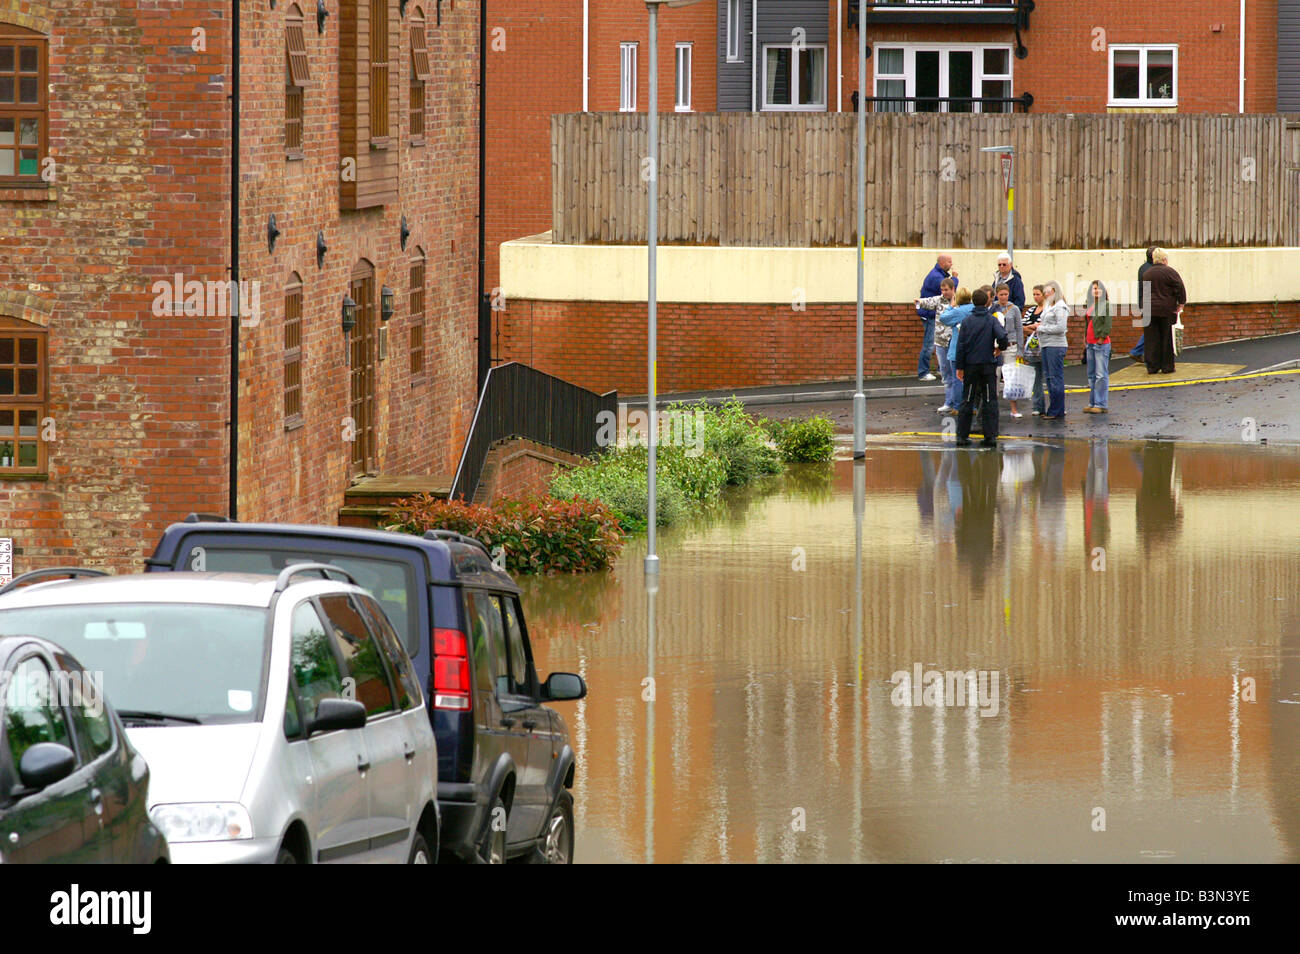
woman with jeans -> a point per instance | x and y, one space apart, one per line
1051 328
1097 350
1029 321
952 388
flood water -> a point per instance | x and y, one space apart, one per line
1130 613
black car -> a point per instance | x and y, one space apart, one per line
505 765
72 789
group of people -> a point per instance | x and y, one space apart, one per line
976 334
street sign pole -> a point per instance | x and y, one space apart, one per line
1008 155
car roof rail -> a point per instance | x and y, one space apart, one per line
324 569
49 572
207 518
458 537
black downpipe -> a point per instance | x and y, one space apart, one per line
233 505
484 299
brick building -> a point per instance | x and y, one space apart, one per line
115 251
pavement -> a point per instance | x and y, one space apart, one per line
1246 390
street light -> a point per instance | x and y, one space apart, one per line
1008 183
652 558
859 396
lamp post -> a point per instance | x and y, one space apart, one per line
652 558
1009 184
859 396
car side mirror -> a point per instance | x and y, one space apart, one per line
332 714
44 764
563 687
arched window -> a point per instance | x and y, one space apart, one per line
293 352
24 108
417 312
24 391
419 75
297 76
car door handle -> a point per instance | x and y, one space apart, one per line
530 724
408 750
507 721
363 764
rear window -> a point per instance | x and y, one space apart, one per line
391 581
194 660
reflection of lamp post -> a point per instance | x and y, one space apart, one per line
652 559
859 506
652 590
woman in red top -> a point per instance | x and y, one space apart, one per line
1097 349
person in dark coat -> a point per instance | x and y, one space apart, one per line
1167 299
929 288
1008 275
1138 349
981 340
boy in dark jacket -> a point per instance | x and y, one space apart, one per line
976 365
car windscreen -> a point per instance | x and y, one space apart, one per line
391 581
202 662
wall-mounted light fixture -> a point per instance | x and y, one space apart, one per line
349 314
321 14
386 303
321 249
272 232
406 233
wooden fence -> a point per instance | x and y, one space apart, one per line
1083 181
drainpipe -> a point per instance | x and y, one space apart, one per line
484 300
753 67
1241 59
586 46
233 464
839 55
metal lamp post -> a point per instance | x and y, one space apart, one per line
859 396
652 513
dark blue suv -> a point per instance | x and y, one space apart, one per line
505 765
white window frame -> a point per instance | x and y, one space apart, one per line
734 24
978 76
1144 49
627 53
685 56
795 106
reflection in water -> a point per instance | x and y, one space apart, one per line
777 629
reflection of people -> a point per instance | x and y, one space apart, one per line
1051 498
1157 507
974 532
1284 737
925 489
1096 496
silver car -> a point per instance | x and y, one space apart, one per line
281 719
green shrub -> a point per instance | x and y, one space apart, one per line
807 441
537 534
736 438
618 478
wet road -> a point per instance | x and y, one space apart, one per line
1122 619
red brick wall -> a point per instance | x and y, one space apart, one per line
300 475
520 468
1065 74
539 73
602 345
139 131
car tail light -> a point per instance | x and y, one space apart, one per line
451 689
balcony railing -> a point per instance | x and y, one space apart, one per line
947 104
1008 12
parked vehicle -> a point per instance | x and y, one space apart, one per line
505 765
72 787
281 719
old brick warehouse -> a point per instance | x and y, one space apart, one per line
114 185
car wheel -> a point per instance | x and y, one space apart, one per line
419 851
286 857
494 842
557 841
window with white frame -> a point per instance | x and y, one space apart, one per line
733 30
1143 75
627 78
949 78
794 77
683 77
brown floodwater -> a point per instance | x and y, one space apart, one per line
1122 619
